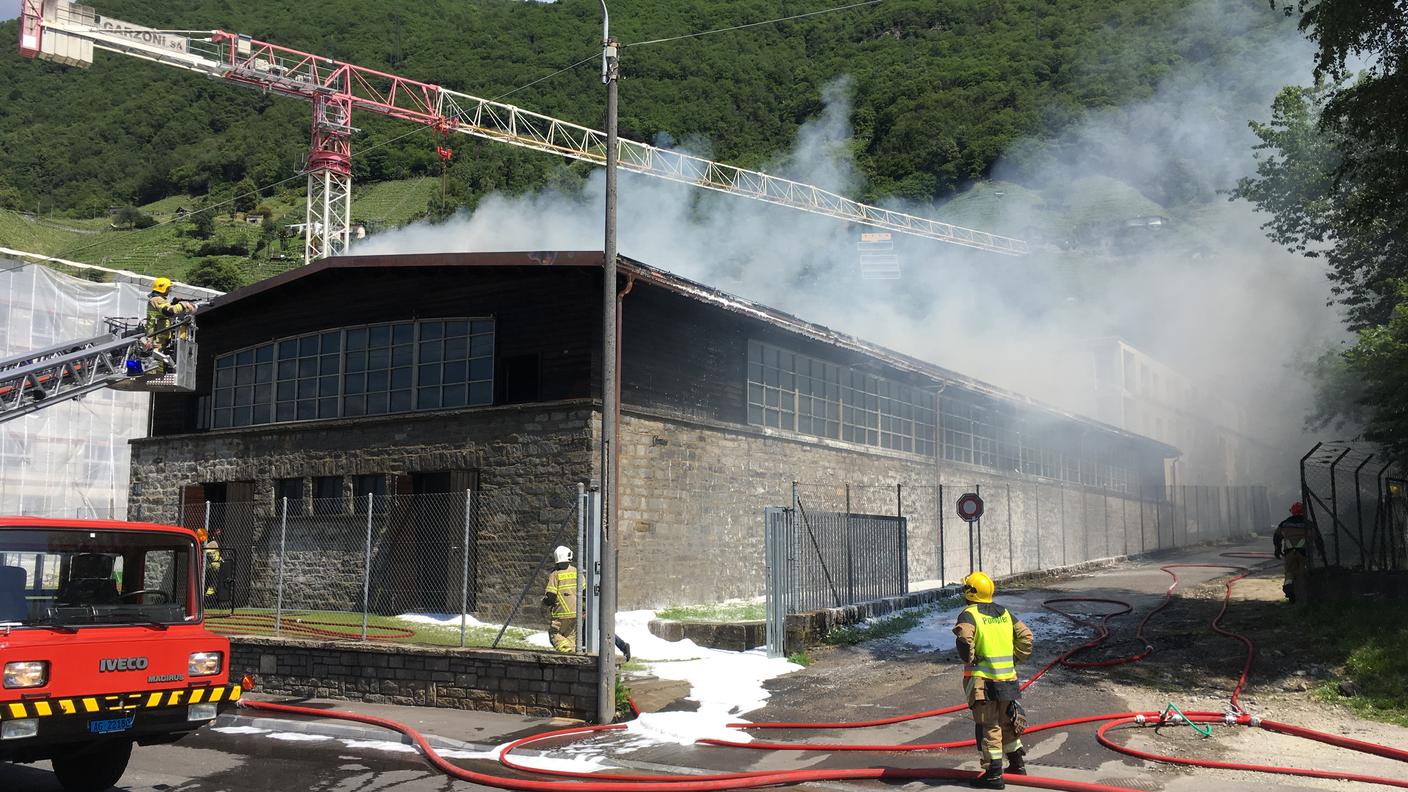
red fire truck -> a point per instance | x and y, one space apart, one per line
102 644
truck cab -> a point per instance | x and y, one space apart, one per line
103 644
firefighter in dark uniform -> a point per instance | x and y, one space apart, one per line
991 641
1292 543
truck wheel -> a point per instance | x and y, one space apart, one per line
93 771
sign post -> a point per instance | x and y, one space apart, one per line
970 510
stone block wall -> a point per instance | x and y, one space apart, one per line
693 493
525 461
544 684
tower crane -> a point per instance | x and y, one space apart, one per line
67 32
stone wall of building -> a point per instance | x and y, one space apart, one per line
529 683
693 494
523 463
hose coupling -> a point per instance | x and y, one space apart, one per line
1140 719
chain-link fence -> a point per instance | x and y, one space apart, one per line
443 568
1034 526
1349 492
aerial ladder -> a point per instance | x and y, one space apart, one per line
67 32
124 358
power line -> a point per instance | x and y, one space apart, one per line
593 56
755 24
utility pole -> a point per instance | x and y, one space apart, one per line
610 399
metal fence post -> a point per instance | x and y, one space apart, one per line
205 557
367 571
943 578
850 552
1011 551
279 594
1036 501
464 575
978 488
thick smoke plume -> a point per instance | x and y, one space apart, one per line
1228 308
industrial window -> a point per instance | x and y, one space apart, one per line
379 369
327 495
355 371
290 490
363 486
456 363
790 391
978 429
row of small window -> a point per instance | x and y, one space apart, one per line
330 495
357 371
975 449
791 391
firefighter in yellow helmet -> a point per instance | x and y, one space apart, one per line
162 311
991 641
560 599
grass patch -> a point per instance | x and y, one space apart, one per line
886 627
717 612
1368 645
342 625
802 658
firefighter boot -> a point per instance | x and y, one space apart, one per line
991 777
1289 590
1016 762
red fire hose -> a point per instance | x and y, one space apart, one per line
618 782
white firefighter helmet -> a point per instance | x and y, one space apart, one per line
561 555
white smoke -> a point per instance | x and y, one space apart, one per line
1233 315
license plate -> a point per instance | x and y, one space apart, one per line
109 726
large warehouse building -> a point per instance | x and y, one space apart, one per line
362 376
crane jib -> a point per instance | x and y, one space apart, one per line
67 32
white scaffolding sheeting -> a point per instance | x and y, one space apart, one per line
72 459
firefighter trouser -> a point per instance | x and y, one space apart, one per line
1295 565
563 633
993 730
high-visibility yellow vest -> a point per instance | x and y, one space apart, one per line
992 647
562 587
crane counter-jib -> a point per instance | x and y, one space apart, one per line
50 27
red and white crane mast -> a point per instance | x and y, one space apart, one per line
66 32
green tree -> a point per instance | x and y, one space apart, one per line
202 222
246 195
216 273
1333 178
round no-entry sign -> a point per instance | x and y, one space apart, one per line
970 507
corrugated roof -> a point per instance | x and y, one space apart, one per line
688 288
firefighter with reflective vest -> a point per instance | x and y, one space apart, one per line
991 641
560 599
1292 543
162 311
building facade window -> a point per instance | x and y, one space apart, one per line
799 393
327 495
355 371
373 485
290 491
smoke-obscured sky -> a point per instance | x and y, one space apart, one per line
1236 316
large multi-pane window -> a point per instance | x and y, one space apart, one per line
802 394
980 430
355 371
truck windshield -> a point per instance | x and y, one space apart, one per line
71 577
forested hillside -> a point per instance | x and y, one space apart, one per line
942 88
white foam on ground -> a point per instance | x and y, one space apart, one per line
297 737
239 730
585 760
725 684
451 620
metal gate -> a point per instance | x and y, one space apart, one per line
818 560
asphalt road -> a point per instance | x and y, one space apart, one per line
212 762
